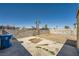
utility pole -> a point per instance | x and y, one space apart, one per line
78 27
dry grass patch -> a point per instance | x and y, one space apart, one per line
58 37
35 40
54 37
52 52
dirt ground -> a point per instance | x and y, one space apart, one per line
45 44
58 37
44 47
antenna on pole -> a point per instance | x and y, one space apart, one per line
37 22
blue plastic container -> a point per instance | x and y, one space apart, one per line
5 40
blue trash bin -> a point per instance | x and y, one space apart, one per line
5 40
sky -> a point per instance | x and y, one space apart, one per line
24 15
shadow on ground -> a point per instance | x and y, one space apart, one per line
69 49
15 50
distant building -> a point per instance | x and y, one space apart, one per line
8 27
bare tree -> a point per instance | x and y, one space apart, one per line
66 27
75 25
